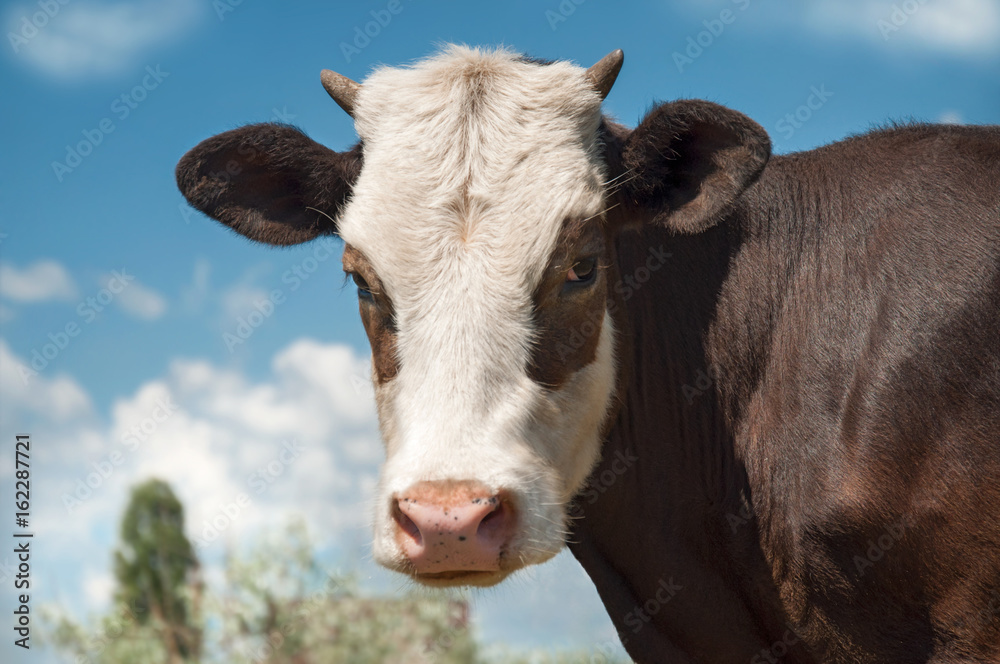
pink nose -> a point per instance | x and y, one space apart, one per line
452 527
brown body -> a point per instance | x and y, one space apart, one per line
812 389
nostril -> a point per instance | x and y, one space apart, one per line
493 523
406 524
493 515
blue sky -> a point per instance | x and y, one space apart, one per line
139 83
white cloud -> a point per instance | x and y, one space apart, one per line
140 301
239 300
229 302
98 587
85 38
213 434
965 27
959 25
42 280
194 296
303 440
60 398
969 28
236 300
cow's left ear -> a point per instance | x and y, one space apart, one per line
688 161
269 182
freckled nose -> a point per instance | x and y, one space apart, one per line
452 527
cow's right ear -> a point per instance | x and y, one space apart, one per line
686 163
269 182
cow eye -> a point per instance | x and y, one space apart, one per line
364 290
582 272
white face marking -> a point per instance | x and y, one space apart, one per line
472 161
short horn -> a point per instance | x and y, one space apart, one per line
343 90
603 74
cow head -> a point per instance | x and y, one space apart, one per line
474 218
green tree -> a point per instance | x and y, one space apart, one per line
157 571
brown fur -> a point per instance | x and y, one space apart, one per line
378 317
269 182
567 318
840 325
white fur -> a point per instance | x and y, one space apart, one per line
472 161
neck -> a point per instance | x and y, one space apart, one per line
667 532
